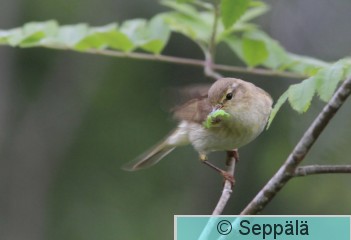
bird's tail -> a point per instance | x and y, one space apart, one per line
150 157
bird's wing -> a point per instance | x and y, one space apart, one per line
195 110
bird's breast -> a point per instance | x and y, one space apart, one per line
238 131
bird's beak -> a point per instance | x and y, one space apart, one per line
217 107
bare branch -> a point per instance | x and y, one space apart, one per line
227 189
287 170
190 62
321 169
208 67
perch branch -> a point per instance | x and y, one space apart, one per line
321 169
232 159
287 170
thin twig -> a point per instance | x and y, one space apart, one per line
321 169
212 46
287 170
210 49
227 188
208 67
189 62
210 52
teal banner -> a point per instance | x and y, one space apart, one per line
262 228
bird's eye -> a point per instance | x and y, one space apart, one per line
229 96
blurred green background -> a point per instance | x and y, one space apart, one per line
69 121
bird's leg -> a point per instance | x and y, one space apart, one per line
227 176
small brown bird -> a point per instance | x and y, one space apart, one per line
232 114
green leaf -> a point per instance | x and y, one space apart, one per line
282 99
32 39
235 44
154 46
251 51
106 36
70 35
257 9
151 36
270 54
134 29
324 82
276 53
242 24
301 94
303 64
14 37
348 71
328 79
35 31
232 10
194 28
3 37
188 21
49 27
278 58
30 34
254 51
157 35
179 7
118 40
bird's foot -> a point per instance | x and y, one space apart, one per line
228 177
